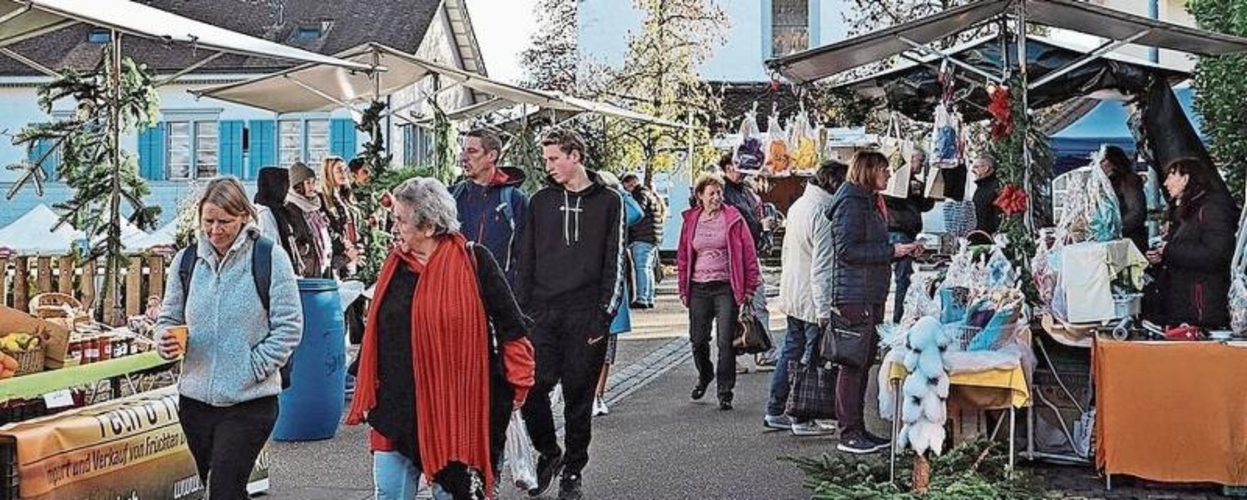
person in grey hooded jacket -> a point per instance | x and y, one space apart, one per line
230 374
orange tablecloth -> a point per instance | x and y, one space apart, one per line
1172 411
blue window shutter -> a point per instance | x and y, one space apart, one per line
152 152
342 138
229 137
37 151
263 146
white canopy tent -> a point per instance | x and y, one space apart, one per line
24 19
316 87
162 237
33 233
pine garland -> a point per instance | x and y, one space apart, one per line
972 471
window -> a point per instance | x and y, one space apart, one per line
99 36
310 33
417 145
790 26
180 150
317 140
193 143
207 145
290 142
307 141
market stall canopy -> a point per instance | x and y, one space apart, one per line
23 19
829 60
914 89
1106 123
316 87
33 233
569 107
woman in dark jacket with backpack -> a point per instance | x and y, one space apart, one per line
1195 257
861 273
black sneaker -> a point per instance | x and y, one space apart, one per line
699 391
725 403
547 469
882 442
569 487
859 444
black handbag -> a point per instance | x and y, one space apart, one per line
846 341
751 335
812 393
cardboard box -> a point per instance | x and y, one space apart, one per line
57 345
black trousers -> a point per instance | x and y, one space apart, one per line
501 404
713 303
570 346
225 442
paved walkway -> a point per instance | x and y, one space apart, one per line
656 444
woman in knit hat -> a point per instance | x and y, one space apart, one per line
302 201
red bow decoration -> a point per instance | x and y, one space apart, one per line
1001 111
1012 200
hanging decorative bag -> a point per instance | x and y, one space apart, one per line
897 150
778 158
748 153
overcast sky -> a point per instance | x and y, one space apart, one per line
503 29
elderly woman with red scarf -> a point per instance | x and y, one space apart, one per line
436 393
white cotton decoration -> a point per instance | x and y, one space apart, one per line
911 361
937 440
902 439
933 408
941 386
930 364
911 410
915 386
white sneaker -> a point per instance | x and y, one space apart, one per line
599 407
780 422
812 428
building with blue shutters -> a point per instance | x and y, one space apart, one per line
197 139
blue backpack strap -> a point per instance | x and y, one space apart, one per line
262 268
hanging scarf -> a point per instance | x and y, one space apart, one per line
882 206
450 359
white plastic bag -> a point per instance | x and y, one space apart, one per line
519 454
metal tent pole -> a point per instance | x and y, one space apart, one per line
1028 218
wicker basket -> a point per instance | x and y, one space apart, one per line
29 361
55 305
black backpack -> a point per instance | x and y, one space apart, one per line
261 271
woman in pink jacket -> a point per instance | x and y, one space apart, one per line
718 272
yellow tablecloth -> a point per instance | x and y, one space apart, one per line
1013 381
1172 411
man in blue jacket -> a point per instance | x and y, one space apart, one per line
490 202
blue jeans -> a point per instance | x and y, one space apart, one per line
643 255
903 271
799 345
396 478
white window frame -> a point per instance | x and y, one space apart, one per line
196 120
303 135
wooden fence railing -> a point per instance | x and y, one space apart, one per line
23 277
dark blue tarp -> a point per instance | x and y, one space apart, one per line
1106 124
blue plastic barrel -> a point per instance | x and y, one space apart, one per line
312 407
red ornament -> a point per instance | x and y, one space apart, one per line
774 85
387 200
1012 200
1001 111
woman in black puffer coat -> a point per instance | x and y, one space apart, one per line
1195 257
861 273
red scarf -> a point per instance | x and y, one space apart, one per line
450 359
882 206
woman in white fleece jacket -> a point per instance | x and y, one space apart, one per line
230 379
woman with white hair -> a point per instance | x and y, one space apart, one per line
431 385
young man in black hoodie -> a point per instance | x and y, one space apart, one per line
570 284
